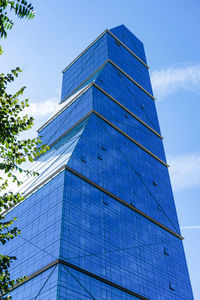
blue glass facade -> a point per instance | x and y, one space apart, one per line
100 221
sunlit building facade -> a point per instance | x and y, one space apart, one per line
99 222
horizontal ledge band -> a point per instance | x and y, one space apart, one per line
113 126
101 35
127 48
104 280
117 67
65 167
130 138
78 122
85 89
81 270
35 274
65 106
122 201
129 77
126 109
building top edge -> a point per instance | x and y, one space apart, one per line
90 45
128 49
100 36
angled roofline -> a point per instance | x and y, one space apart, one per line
100 36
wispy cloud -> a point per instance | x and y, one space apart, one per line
185 170
170 80
190 227
41 109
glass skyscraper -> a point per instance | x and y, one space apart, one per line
99 222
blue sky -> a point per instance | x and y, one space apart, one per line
170 33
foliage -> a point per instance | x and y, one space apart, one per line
21 8
13 150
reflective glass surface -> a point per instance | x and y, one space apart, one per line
128 63
42 287
67 118
88 63
39 219
130 40
109 239
85 211
125 170
58 156
75 285
128 94
127 123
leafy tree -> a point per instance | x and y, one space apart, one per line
13 150
21 8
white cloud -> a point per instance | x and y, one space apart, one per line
170 80
41 109
190 227
185 170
